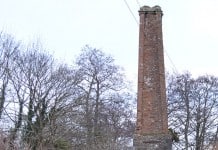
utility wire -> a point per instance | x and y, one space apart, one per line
131 12
171 61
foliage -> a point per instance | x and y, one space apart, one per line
61 145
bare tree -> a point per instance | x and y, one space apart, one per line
40 90
8 52
50 92
103 88
193 109
49 105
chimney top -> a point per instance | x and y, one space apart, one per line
150 9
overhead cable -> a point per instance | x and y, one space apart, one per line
131 12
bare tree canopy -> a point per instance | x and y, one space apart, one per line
44 104
90 104
193 110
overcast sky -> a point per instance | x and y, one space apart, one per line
190 30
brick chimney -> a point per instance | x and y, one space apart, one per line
152 125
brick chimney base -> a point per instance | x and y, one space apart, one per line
152 142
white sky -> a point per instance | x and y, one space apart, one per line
190 29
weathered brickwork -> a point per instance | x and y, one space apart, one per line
151 106
153 142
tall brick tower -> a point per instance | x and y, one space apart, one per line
152 125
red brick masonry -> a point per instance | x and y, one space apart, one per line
152 124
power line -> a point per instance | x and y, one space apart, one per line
171 61
131 12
